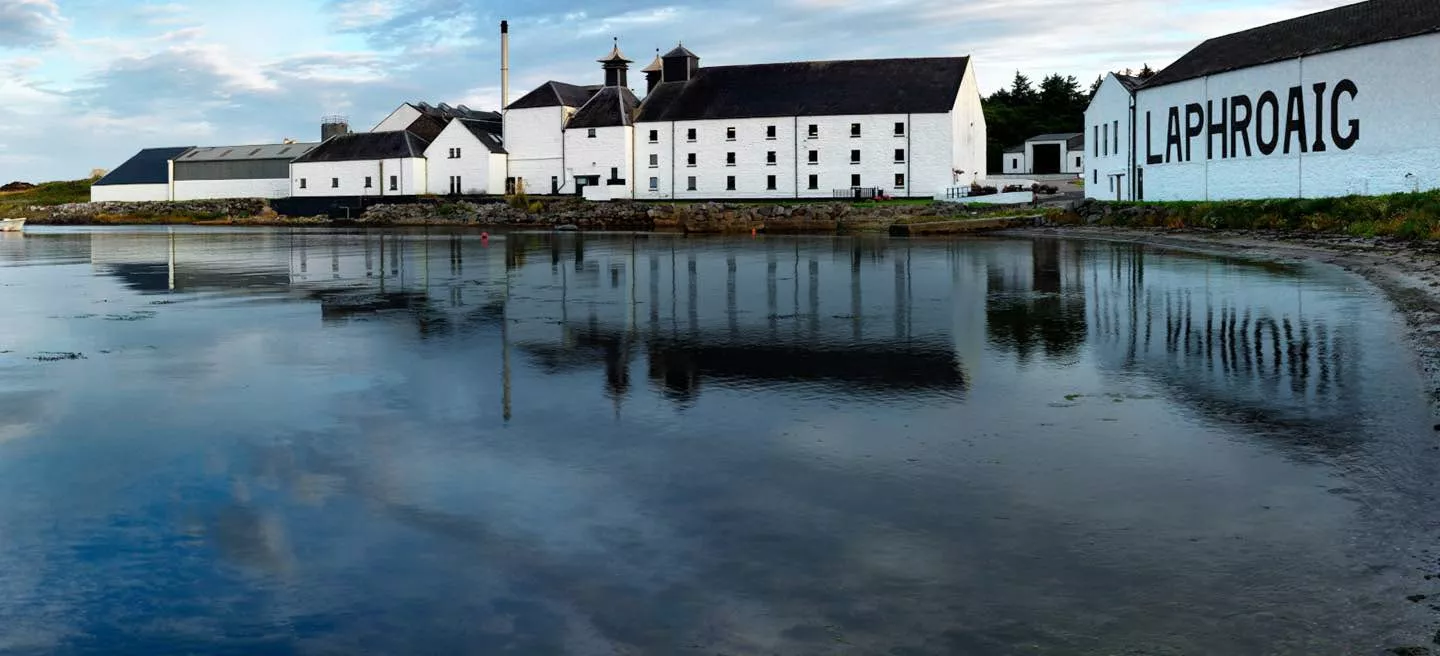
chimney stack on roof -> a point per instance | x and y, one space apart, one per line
504 65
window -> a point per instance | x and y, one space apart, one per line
590 133
770 132
854 157
690 135
899 155
770 182
690 184
334 183
814 131
614 175
654 136
729 134
394 183
1015 163
899 129
899 180
368 183
1094 176
1106 150
654 161
854 130
814 157
1117 137
730 183
855 179
1077 161
770 158
302 183
1096 148
729 159
690 160
814 181
654 184
454 153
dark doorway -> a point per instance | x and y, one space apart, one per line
583 181
1139 184
1047 159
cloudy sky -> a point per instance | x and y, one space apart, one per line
85 83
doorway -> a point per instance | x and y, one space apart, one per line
1046 158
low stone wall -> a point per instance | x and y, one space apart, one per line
118 212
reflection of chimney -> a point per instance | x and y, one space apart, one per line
504 64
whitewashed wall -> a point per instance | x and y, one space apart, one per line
410 171
398 120
255 188
1015 164
476 165
1071 161
927 142
536 143
1398 144
969 132
130 193
1107 171
611 147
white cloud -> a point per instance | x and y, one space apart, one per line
29 23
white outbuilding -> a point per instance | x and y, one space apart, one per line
1330 104
535 136
362 164
467 157
1108 118
600 137
259 171
144 177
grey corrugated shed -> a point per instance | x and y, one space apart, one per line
244 153
612 107
1345 27
827 88
149 166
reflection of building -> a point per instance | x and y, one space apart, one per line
1039 307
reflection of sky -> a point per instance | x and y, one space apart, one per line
243 467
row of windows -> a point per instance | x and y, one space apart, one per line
454 153
1103 144
692 183
692 160
771 132
369 183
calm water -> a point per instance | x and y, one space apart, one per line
276 442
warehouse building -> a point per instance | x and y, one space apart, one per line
1330 104
1047 154
236 171
144 177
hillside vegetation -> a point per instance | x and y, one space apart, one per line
1411 216
14 204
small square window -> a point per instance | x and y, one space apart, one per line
654 136
814 157
690 159
654 184
729 134
770 158
855 180
899 129
814 131
899 180
690 135
854 130
368 183
690 184
729 159
899 155
730 183
302 183
770 182
394 183
334 183
814 181
654 161
854 157
590 133
769 132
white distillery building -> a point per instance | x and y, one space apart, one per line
1047 154
261 171
1330 104
467 157
144 177
1108 118
904 127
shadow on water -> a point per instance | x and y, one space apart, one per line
569 443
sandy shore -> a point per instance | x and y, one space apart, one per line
1407 273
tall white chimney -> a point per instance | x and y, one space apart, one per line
504 65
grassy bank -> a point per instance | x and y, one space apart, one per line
15 203
1412 216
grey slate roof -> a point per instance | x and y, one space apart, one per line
1015 150
243 153
655 66
149 166
481 130
555 94
366 146
1076 142
445 111
827 88
611 107
681 51
1065 136
1130 82
428 126
1350 26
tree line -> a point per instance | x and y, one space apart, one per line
1023 110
